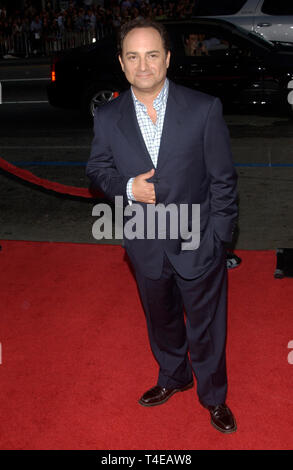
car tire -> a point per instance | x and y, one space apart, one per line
96 95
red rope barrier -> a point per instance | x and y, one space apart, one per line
51 185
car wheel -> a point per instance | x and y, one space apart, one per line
97 96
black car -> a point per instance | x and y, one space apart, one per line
212 56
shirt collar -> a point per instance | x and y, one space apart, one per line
159 100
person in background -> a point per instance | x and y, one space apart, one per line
194 45
36 30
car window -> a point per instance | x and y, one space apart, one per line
218 7
280 7
200 43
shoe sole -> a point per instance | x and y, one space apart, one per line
187 387
229 431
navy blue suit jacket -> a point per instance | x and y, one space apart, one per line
194 167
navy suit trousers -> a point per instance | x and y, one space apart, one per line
194 342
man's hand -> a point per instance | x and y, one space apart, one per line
142 190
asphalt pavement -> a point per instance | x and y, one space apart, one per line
55 144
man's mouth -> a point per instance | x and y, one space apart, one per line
144 76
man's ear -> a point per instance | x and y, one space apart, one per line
121 63
168 58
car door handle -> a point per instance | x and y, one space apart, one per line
264 25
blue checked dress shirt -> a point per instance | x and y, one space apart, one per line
151 132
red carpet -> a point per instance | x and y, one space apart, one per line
73 339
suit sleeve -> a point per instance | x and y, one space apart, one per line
101 169
222 174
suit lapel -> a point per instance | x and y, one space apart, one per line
128 125
171 127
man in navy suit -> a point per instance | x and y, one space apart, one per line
159 143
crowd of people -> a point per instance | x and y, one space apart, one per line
84 16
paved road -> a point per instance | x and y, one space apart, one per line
24 81
55 144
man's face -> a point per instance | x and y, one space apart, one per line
144 60
192 40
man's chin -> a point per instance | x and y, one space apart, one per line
144 82
145 85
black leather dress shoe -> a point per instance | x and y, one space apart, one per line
158 395
222 418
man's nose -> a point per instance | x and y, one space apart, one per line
142 64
